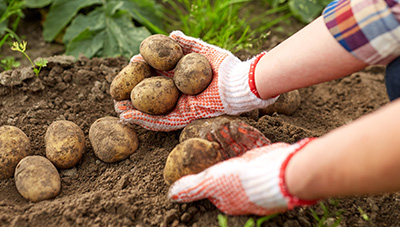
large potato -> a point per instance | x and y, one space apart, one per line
193 74
190 157
14 146
233 135
128 78
161 52
286 104
37 179
65 143
201 127
155 95
111 140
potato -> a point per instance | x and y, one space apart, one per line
161 52
193 74
111 140
155 95
14 146
286 104
37 179
128 78
199 128
190 157
65 143
233 135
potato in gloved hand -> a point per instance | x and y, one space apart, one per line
161 52
190 157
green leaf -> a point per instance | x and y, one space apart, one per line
94 21
146 12
249 223
3 21
87 43
306 10
123 38
222 220
37 3
61 13
104 35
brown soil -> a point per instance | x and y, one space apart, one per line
132 192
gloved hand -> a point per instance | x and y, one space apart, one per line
253 183
232 90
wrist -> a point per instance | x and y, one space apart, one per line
292 180
237 89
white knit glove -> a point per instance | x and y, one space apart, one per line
253 183
232 90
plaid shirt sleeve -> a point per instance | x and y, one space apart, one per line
368 29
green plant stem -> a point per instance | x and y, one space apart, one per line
29 59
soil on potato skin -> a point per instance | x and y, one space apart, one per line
132 192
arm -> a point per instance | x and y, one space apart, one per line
357 159
303 60
349 35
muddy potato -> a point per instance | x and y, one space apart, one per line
190 157
155 95
199 128
37 179
111 140
65 143
128 78
192 74
286 104
161 52
14 146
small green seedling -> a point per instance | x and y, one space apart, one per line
9 63
21 47
363 214
223 221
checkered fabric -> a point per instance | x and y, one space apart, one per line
369 29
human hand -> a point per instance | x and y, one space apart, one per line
232 90
253 183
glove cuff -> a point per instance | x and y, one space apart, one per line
293 201
264 178
237 86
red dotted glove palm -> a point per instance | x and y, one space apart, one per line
232 90
253 183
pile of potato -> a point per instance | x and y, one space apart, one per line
36 177
154 94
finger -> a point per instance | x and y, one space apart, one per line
169 122
191 44
122 106
191 188
249 136
137 58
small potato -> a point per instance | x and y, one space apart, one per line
193 74
155 95
286 104
65 143
190 157
14 146
161 52
128 78
111 140
37 179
